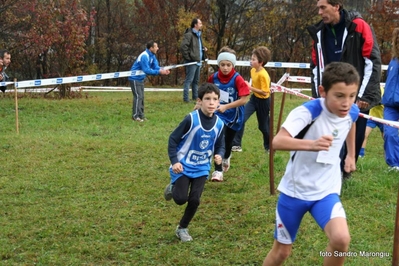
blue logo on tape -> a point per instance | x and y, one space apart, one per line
278 64
116 75
80 78
98 76
302 65
59 81
38 82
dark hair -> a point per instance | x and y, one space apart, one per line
262 53
340 3
194 22
150 44
336 72
3 52
208 88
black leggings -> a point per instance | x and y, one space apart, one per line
188 190
229 135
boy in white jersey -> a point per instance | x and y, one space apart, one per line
312 180
190 149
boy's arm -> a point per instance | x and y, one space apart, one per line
350 161
239 102
285 142
175 138
243 92
219 145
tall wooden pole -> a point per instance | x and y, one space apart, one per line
271 135
271 150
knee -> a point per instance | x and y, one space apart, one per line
283 253
278 254
179 200
340 241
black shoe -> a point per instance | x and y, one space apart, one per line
346 175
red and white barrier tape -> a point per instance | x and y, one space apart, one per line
278 88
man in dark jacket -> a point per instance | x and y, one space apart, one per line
192 50
344 36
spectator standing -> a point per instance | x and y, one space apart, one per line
344 36
145 64
259 101
391 106
192 50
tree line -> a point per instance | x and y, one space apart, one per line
57 38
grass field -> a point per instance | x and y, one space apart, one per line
82 184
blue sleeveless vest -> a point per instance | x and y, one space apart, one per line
196 148
233 118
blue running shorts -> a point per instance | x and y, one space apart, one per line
290 211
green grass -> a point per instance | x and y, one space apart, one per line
82 184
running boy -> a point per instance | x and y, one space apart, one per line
259 101
190 150
312 180
233 96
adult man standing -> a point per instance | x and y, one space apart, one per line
6 58
192 50
344 36
145 64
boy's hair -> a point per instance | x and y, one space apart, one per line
263 54
395 43
340 3
208 88
336 72
226 49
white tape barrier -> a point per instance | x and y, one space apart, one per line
64 80
299 79
270 64
278 64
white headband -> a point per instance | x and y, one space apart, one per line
227 56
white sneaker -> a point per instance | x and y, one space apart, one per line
182 234
236 148
393 168
217 176
226 164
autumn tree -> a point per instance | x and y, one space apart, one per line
112 39
50 40
384 17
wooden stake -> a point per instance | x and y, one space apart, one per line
271 151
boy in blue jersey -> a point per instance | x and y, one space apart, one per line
190 149
234 92
312 180
145 64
